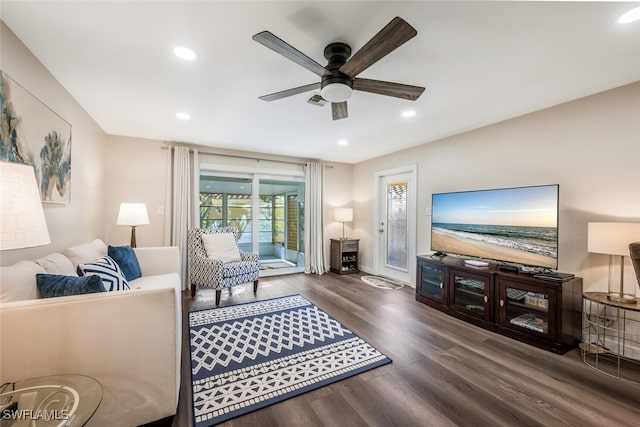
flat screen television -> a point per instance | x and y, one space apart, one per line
513 225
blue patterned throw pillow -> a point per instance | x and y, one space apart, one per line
126 258
109 272
56 285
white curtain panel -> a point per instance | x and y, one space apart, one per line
182 201
314 219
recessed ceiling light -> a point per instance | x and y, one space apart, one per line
409 113
184 53
343 142
183 116
632 15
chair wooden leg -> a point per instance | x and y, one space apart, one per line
193 290
218 294
255 286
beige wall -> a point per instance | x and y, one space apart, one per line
135 171
590 147
81 220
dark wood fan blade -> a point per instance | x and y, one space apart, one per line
398 90
283 48
392 36
339 110
290 92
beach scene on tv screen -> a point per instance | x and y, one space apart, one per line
516 225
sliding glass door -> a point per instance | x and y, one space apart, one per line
268 212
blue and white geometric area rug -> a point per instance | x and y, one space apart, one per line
248 356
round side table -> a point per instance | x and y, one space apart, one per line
611 336
56 400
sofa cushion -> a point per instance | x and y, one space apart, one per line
221 246
58 285
87 252
57 263
126 258
18 281
109 272
169 280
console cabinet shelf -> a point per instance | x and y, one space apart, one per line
542 313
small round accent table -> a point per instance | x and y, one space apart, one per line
57 400
611 336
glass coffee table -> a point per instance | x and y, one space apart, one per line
57 400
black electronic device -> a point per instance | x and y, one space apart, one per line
513 225
554 276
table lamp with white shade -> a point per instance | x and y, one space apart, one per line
22 222
133 214
343 215
613 238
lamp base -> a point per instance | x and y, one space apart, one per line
622 298
133 236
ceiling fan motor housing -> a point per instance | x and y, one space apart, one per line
337 86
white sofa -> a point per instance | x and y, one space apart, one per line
130 341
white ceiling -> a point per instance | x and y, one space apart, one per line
481 62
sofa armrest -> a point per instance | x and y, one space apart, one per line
158 260
126 340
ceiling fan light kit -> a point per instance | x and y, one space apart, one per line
336 92
338 77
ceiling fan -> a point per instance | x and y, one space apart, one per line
338 77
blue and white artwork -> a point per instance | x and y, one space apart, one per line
33 134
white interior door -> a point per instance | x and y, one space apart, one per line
396 224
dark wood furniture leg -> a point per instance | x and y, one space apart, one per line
255 286
193 290
218 293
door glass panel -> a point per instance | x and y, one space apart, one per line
528 310
280 223
469 293
397 239
431 283
226 202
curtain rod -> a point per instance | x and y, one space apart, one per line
236 156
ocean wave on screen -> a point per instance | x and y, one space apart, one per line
494 238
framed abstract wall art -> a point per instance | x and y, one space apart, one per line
31 133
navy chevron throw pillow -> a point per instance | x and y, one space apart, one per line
108 270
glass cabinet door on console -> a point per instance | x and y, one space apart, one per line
430 282
471 294
528 308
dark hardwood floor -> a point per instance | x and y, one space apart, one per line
444 373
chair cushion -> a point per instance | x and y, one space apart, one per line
232 269
57 285
126 258
221 246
